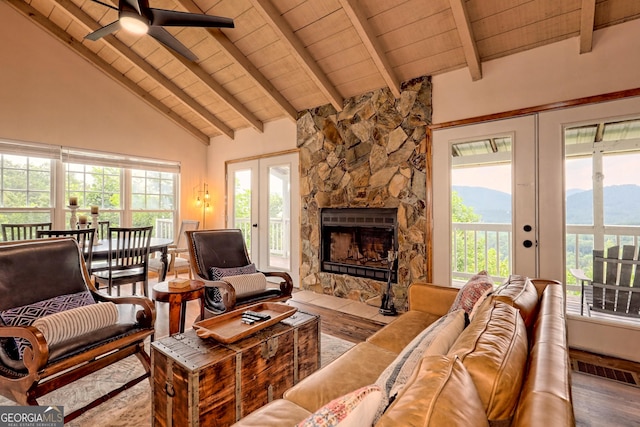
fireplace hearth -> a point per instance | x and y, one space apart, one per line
356 241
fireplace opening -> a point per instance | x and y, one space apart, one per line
357 241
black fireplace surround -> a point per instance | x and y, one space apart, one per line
356 241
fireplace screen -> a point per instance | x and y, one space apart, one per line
356 241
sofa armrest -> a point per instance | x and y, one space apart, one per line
430 298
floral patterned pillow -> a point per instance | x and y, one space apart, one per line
474 291
356 409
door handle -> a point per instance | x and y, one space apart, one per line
254 225
527 243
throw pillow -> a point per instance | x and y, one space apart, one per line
27 314
472 292
436 339
217 273
247 283
353 409
59 327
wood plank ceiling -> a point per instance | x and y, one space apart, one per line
285 56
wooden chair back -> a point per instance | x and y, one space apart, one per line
11 232
84 238
616 281
128 260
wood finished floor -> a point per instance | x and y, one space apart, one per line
597 402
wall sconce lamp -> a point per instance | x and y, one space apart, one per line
202 200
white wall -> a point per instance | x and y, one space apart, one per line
51 95
552 73
279 135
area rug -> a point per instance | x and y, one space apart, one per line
132 407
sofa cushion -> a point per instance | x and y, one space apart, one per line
439 393
27 314
358 367
68 324
476 288
356 409
217 273
494 350
434 340
279 412
519 292
396 335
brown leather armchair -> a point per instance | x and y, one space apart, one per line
226 249
33 273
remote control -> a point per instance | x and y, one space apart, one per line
262 316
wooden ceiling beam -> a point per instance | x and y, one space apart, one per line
59 34
298 51
370 41
241 60
587 20
78 14
469 46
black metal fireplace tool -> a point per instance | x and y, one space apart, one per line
387 308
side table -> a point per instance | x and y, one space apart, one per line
177 299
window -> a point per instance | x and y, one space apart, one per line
26 177
153 196
128 191
95 186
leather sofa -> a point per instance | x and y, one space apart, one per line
508 367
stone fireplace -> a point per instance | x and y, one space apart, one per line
370 156
356 241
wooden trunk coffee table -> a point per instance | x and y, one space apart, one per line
204 382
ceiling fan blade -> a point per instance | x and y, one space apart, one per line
138 5
164 37
174 18
104 31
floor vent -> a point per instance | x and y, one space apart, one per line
619 375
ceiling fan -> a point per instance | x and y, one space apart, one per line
137 17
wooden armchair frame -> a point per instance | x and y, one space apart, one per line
46 368
226 249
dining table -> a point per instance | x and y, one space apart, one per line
158 244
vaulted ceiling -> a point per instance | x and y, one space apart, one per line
285 56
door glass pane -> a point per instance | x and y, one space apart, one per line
242 205
279 232
481 208
601 192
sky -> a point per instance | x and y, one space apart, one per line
618 170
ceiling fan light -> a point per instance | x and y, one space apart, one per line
134 25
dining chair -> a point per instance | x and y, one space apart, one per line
83 237
23 231
177 263
127 261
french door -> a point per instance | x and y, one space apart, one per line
484 193
263 201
